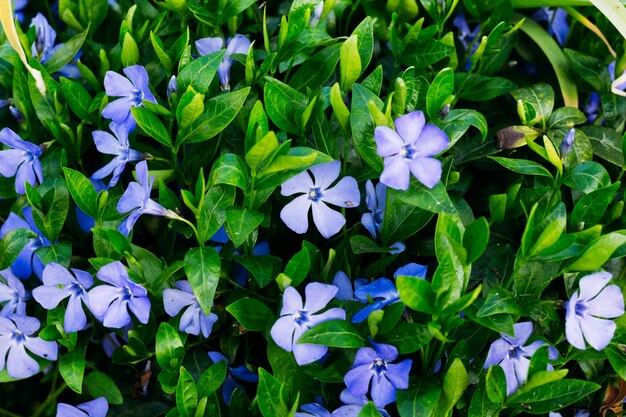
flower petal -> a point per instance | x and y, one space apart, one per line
306 353
396 173
133 197
42 348
206 46
292 301
318 295
75 318
176 300
591 285
140 306
49 296
410 126
497 352
388 142
327 221
399 373
598 332
325 174
295 214
344 194
383 392
117 85
10 160
100 298
118 110
426 170
95 408
342 282
608 304
432 141
116 315
19 364
282 332
239 44
358 379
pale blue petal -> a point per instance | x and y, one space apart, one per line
431 142
426 170
410 126
318 295
326 174
295 214
396 173
344 194
329 222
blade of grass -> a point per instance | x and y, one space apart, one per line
615 11
589 25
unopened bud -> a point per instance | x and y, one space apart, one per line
568 143
17 114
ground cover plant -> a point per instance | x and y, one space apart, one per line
312 208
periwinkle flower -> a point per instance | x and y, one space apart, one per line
557 22
12 294
344 284
410 149
316 193
18 6
466 36
313 410
374 365
233 374
568 143
193 320
589 308
15 339
58 284
27 260
17 115
132 91
238 44
43 48
22 161
513 357
295 319
376 200
136 198
592 108
111 303
317 14
117 145
172 87
95 408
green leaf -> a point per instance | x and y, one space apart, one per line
99 384
423 400
263 268
334 333
365 45
152 125
82 191
522 166
190 107
65 53
12 244
251 313
481 405
212 379
499 301
298 267
597 252
77 97
169 348
270 396
72 369
407 337
455 382
435 200
261 151
317 69
60 253
552 396
213 211
424 53
481 88
566 118
284 105
416 293
200 72
475 239
496 384
439 92
232 9
229 169
362 125
458 121
202 267
349 63
587 177
240 222
218 113
616 358
591 207
606 143
186 394
369 410
540 97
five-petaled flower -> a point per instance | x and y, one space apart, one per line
376 200
58 284
193 320
375 365
316 193
137 198
13 294
295 319
95 408
410 149
513 357
589 308
110 303
114 145
132 92
22 161
43 48
15 338
239 44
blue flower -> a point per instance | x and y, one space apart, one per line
13 294
592 108
27 260
315 18
589 308
513 357
136 198
172 87
15 338
313 410
110 303
239 44
114 145
240 373
315 194
59 284
344 284
43 47
467 37
95 408
376 200
193 320
557 22
410 149
18 5
375 365
132 93
568 143
22 161
295 319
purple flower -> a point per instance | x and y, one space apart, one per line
410 149
95 408
466 36
15 338
13 294
354 405
593 107
114 145
513 357
344 284
313 410
376 200
27 260
110 303
59 284
316 193
172 87
43 47
239 44
193 320
588 309
17 114
22 161
568 143
232 375
296 319
132 93
137 198
18 5
579 413
375 365
557 22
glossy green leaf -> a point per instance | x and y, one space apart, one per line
284 105
416 293
65 52
72 369
186 394
229 169
82 191
439 92
99 384
169 347
12 244
334 333
251 313
152 125
240 222
202 267
200 72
